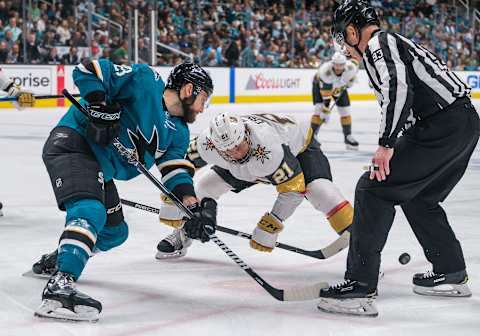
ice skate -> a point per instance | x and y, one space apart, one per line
46 266
350 142
349 298
61 300
446 284
174 245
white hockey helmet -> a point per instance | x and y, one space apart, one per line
227 130
339 58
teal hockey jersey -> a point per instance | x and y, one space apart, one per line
147 128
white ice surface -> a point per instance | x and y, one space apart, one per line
205 293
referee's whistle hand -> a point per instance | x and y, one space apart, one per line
381 159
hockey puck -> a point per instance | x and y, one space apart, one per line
1 206
404 258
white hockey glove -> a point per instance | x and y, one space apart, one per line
323 112
24 99
265 235
170 214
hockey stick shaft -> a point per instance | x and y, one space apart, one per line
306 293
338 245
2 99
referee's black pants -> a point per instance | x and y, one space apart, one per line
428 162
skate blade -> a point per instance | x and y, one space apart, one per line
363 307
31 274
173 255
447 290
350 147
53 309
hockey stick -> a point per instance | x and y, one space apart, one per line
2 99
293 294
330 250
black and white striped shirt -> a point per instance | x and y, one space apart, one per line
410 82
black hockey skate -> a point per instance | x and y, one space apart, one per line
61 300
46 266
350 142
349 297
445 284
174 245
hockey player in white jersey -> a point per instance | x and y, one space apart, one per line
258 148
331 81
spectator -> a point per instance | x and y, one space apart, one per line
52 57
3 52
120 55
3 12
14 55
71 58
63 32
143 52
232 52
33 52
247 56
12 27
9 39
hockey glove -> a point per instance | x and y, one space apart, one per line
170 214
104 122
323 112
203 222
24 99
265 235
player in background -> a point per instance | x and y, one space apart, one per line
428 132
260 148
24 99
150 119
330 83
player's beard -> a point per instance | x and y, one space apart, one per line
188 114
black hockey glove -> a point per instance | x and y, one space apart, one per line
203 222
104 122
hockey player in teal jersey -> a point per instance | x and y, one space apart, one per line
149 118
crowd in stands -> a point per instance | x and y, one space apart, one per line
244 33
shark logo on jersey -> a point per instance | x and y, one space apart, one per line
142 145
377 55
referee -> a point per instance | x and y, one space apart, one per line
428 131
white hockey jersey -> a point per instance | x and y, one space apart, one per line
275 141
327 76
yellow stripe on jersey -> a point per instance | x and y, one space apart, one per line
98 70
309 136
295 184
166 166
82 231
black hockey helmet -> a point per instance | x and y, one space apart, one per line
189 72
356 12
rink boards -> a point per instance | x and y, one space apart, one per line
232 85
